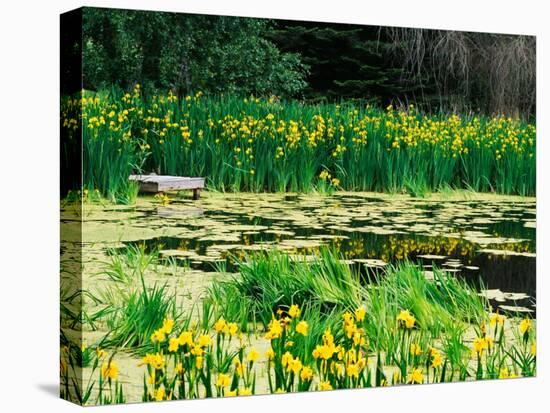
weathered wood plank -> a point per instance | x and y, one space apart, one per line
162 183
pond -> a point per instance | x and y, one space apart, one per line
487 239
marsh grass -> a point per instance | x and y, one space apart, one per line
134 309
270 281
251 144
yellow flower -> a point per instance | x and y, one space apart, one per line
247 391
352 370
197 351
154 360
497 319
100 353
158 336
253 355
186 338
179 368
415 376
270 354
534 349
239 368
198 362
205 340
335 181
233 328
415 349
160 394
294 311
360 313
436 360
525 325
167 326
306 374
231 393
295 365
173 345
325 385
406 318
479 345
325 351
302 328
220 325
287 358
223 380
275 329
504 373
109 370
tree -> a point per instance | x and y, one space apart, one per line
346 61
492 73
186 52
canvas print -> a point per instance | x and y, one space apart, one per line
257 206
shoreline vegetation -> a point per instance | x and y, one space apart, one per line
284 325
265 144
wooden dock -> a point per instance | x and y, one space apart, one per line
162 183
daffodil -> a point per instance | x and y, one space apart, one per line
436 360
156 360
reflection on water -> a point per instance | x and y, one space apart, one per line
465 238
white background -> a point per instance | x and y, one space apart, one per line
29 162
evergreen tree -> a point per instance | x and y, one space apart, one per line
346 61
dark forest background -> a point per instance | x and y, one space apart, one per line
435 69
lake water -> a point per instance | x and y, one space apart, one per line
487 239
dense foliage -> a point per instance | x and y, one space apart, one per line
185 52
435 69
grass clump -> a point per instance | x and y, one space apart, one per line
135 309
271 281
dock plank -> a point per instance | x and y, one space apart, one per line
163 183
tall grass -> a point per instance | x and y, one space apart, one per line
134 310
270 145
270 281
